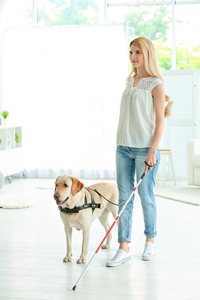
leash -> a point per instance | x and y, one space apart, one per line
102 196
149 165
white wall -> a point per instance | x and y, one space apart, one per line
2 26
183 86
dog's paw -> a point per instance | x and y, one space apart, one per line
67 258
105 246
81 260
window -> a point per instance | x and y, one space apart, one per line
55 12
188 36
18 13
153 22
156 23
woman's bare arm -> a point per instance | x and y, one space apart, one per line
158 95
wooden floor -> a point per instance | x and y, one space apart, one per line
32 246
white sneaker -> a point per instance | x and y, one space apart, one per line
120 257
149 251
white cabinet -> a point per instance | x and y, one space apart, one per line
11 151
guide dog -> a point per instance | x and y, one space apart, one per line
71 197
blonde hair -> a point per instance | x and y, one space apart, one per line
151 65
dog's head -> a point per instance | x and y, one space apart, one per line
66 188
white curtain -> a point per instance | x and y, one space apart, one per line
63 84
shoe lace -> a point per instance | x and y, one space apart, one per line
148 248
117 255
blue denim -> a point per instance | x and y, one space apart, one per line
130 162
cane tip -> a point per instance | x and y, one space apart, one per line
74 288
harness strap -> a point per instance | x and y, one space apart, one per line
67 210
76 209
93 204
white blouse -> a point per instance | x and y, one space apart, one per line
137 120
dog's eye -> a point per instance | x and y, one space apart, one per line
56 184
65 185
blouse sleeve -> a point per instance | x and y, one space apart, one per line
155 82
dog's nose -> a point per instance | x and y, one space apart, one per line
56 196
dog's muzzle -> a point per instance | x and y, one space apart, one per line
56 197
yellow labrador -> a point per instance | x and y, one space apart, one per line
69 194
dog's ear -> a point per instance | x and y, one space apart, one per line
76 186
56 179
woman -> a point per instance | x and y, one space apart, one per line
140 129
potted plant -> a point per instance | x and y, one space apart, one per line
4 114
17 139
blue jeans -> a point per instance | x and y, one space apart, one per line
130 161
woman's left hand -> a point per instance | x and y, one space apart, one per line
150 160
